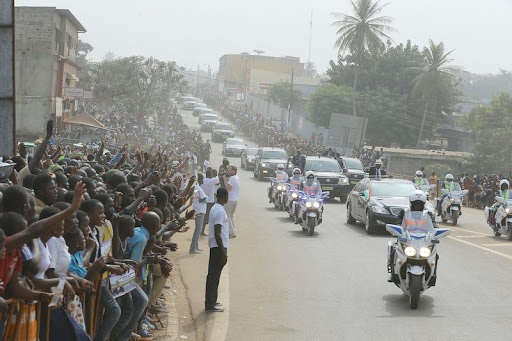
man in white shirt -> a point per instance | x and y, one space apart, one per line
218 240
209 186
233 187
199 199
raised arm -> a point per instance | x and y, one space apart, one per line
40 150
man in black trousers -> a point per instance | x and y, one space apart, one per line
218 240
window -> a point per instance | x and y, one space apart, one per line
359 186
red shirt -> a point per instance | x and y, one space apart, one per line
10 263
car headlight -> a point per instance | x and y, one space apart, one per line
263 165
410 251
342 181
507 210
425 252
308 204
379 209
452 200
294 195
316 205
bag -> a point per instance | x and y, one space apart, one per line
74 308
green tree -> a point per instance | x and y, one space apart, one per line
310 70
491 125
85 73
435 80
328 99
282 94
361 34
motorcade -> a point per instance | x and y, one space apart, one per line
221 131
266 161
247 158
330 175
233 146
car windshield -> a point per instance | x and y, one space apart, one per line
392 189
274 154
223 127
353 164
210 117
322 165
252 151
200 105
234 141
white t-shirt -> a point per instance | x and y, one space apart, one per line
199 207
60 257
46 259
209 187
218 216
234 181
206 164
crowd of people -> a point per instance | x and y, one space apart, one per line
97 224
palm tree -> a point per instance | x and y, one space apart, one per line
362 33
435 75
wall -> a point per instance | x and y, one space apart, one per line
6 78
406 164
261 80
34 68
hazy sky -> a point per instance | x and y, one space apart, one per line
199 32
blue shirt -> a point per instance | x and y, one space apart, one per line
135 245
76 266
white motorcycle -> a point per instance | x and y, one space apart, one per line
502 218
310 211
278 193
291 200
414 258
452 205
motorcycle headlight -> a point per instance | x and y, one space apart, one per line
425 252
316 205
452 200
279 187
379 209
507 210
295 195
410 251
308 204
342 181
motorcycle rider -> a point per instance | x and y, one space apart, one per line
311 187
504 193
417 200
296 180
281 176
449 185
419 180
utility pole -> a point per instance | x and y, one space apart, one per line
291 98
7 87
310 35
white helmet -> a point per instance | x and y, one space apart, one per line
308 174
504 181
419 174
449 177
280 166
296 171
417 196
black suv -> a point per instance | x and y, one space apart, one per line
266 161
330 175
353 169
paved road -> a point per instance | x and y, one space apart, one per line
284 285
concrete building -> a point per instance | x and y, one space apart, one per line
46 83
235 70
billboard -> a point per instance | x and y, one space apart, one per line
346 132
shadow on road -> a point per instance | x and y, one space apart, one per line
359 228
398 306
298 233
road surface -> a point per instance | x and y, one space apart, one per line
281 284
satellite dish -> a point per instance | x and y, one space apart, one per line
259 51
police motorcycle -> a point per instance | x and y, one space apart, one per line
412 260
292 198
451 205
279 191
311 208
499 216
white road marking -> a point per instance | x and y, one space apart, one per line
469 231
497 244
470 237
497 253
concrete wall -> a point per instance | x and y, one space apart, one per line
407 164
35 44
6 78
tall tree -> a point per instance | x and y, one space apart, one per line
435 79
362 33
310 70
281 94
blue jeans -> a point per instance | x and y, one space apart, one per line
132 306
112 314
194 245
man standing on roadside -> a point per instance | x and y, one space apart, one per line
218 241
233 187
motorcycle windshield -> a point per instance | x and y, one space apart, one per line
417 222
